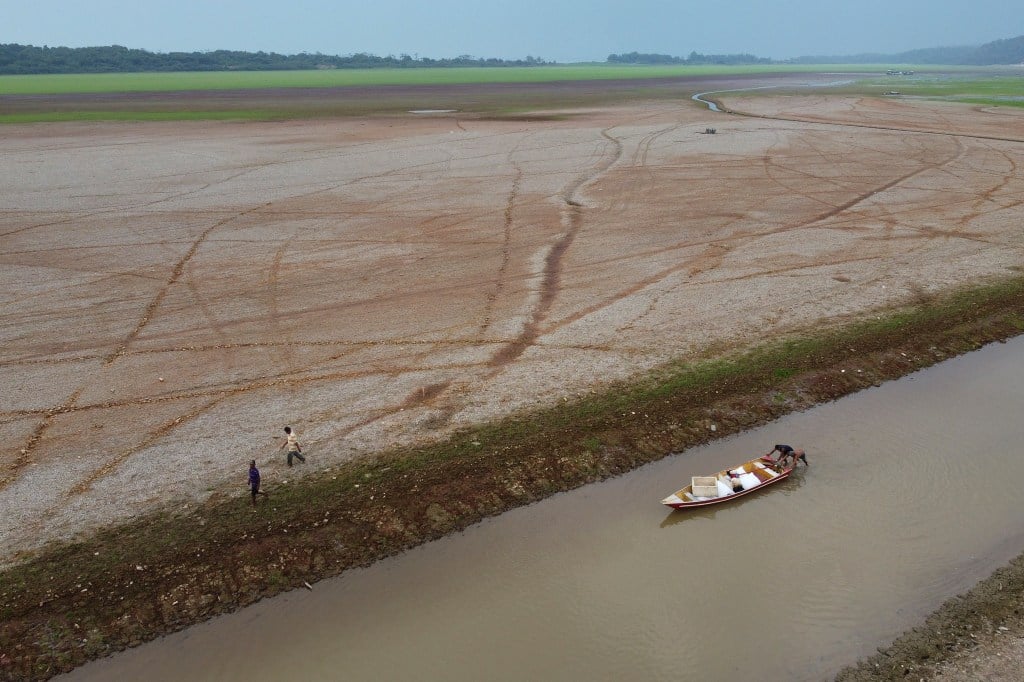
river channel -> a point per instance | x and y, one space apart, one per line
913 494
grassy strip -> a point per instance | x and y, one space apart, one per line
969 89
261 95
991 102
1007 86
333 78
74 602
128 115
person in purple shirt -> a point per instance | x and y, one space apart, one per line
254 481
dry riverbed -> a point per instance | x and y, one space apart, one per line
174 293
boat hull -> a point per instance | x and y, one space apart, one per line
683 499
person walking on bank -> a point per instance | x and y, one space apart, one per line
291 443
254 481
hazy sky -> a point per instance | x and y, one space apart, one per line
559 30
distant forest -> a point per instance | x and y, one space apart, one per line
27 59
694 58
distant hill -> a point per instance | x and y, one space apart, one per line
998 52
1009 51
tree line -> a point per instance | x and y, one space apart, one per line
694 58
29 59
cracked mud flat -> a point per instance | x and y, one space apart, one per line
174 293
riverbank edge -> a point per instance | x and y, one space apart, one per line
966 625
121 586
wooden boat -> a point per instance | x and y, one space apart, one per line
705 490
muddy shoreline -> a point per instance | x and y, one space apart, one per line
971 630
72 603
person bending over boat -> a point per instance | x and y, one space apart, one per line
788 454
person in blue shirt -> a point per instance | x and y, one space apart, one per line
254 481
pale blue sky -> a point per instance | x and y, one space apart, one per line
559 30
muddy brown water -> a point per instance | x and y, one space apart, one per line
912 496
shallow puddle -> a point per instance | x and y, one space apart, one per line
913 494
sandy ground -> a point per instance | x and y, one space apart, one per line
175 293
999 659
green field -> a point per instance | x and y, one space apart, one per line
257 95
993 91
226 115
51 84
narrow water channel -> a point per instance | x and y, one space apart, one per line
914 493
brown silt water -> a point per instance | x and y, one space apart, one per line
913 494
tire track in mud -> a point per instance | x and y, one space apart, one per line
287 378
24 456
282 379
85 484
176 273
724 244
65 221
212 323
218 395
431 393
891 218
120 209
979 203
506 245
720 246
545 295
508 351
273 278
122 349
424 395
827 158
25 453
552 271
870 126
429 347
639 160
55 291
667 272
864 196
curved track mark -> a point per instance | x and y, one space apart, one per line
552 272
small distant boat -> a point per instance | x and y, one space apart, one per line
722 487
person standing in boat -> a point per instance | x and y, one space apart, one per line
788 454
